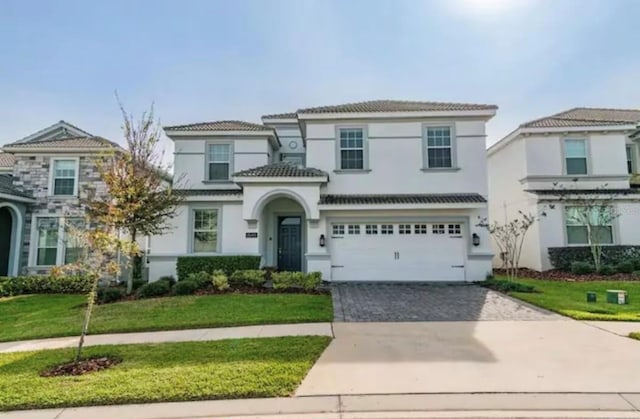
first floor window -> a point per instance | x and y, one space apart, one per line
64 177
58 241
72 239
47 253
219 161
580 220
205 230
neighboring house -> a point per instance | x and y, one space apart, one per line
39 195
584 148
371 191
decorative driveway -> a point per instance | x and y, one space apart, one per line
371 302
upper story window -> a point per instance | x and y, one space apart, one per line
293 158
351 148
630 159
575 156
64 177
219 162
438 145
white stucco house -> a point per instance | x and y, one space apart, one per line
583 148
371 191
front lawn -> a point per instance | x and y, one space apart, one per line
229 369
42 316
570 299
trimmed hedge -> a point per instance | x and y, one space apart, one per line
562 257
229 264
153 289
186 288
42 284
110 294
248 278
290 280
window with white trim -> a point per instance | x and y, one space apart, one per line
47 251
437 229
57 240
575 156
338 229
630 159
65 176
296 159
351 148
577 225
219 162
371 229
455 229
386 229
205 230
404 229
420 229
354 229
439 147
73 228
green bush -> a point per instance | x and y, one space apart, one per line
625 267
229 264
636 274
636 264
137 283
186 287
110 294
43 284
287 280
582 268
153 289
219 280
507 286
562 257
169 278
248 278
607 270
201 279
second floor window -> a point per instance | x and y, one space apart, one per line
575 156
64 177
219 161
351 148
629 159
439 147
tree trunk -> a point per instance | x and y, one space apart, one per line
132 262
91 300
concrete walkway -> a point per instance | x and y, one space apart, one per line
192 335
511 405
619 328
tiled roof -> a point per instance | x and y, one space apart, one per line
282 169
585 117
207 192
459 198
68 142
7 160
221 126
286 115
633 190
397 106
6 187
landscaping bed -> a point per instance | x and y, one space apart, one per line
229 369
561 275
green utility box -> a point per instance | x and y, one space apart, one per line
617 297
591 297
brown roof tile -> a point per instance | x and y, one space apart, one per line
455 198
396 106
221 126
586 117
286 115
281 169
7 160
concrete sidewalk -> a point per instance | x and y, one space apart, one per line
192 335
368 406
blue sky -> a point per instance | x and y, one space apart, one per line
209 60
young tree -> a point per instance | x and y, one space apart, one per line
509 237
139 197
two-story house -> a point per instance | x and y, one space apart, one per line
587 149
371 191
42 179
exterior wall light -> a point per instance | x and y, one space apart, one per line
322 240
475 239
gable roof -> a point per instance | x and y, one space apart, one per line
6 160
221 126
396 106
281 169
586 117
89 143
6 187
58 130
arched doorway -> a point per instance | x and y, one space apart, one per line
282 224
6 237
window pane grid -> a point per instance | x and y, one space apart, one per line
455 229
219 161
371 229
47 252
351 148
338 229
205 230
64 177
437 229
578 231
404 229
420 229
439 147
386 229
354 229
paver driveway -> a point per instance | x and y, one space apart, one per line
369 302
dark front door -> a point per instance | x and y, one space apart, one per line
5 240
290 243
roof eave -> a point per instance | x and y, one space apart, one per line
279 120
280 179
479 113
58 150
360 207
17 198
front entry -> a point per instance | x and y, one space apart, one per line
290 243
6 228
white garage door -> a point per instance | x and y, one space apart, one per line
397 251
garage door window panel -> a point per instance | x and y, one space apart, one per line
438 229
354 229
420 229
454 229
404 229
338 230
386 229
371 229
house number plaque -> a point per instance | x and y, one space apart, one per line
251 235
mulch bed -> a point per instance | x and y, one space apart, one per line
558 275
84 366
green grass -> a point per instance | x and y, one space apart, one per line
229 369
42 316
570 299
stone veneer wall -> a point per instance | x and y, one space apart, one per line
31 174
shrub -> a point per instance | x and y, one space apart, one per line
186 287
582 268
287 280
201 279
636 274
169 278
607 270
153 289
219 280
137 283
110 294
625 267
193 264
43 284
248 278
506 286
562 257
636 264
